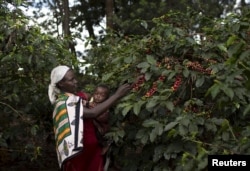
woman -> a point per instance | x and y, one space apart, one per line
76 143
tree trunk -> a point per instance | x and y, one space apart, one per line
109 13
65 16
66 25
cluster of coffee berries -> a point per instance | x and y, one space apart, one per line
153 89
191 108
177 83
139 81
170 62
196 66
158 64
161 78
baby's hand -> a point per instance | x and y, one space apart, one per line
84 103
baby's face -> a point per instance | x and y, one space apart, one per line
100 95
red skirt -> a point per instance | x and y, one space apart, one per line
90 159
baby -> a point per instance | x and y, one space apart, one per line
101 123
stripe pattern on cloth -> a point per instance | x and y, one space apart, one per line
68 126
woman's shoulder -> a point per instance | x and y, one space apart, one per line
62 97
66 96
83 95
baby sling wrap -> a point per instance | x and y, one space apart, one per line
68 126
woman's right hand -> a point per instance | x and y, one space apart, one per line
123 90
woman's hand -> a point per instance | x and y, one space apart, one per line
123 90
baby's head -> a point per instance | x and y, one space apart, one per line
101 93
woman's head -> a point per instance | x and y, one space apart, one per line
62 79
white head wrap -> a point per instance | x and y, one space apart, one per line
56 75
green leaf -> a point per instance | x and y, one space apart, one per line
128 60
165 72
174 147
210 126
222 47
143 65
34 129
171 133
170 105
3 143
228 91
107 76
7 58
186 72
181 32
182 130
120 133
235 49
185 121
193 128
247 110
158 152
190 40
225 136
144 139
217 121
144 24
231 40
126 110
214 90
150 123
153 135
202 164
159 129
236 27
170 126
137 107
244 54
151 60
151 103
199 82
171 75
19 2
148 76
142 134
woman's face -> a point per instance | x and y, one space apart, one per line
68 83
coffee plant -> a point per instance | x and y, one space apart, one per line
190 96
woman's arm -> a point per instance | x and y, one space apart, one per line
102 107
